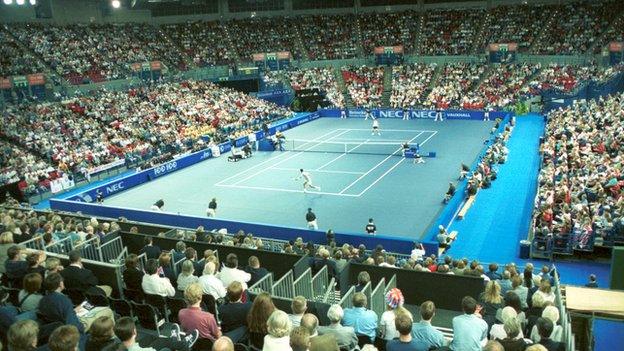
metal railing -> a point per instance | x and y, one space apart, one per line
392 283
177 266
63 246
302 286
284 286
142 261
111 249
319 282
347 299
264 284
377 301
368 289
90 249
35 243
331 296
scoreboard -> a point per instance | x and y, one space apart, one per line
616 53
273 61
389 55
502 52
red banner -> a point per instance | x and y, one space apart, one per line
258 57
616 46
283 55
5 83
156 65
494 47
380 50
135 67
36 79
398 49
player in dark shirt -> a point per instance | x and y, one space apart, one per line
371 228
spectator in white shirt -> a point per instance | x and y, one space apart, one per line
230 273
299 306
154 284
211 284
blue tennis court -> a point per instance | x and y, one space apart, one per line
360 175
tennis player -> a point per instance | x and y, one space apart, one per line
307 181
376 127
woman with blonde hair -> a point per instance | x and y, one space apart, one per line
6 241
491 300
498 330
278 337
551 313
186 277
259 314
546 291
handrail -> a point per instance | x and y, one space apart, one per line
377 304
111 249
391 284
36 243
330 294
90 249
264 284
346 301
302 286
284 286
62 246
319 282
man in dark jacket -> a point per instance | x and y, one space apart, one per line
150 250
255 270
545 328
76 277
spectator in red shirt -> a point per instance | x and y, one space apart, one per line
193 318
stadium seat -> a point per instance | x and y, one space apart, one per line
133 295
210 303
98 299
147 316
121 307
158 302
175 305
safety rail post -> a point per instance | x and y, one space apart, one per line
347 299
367 290
264 284
63 246
35 243
377 301
111 249
319 282
284 286
302 286
392 283
142 261
330 293
177 266
90 249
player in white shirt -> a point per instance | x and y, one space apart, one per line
376 127
307 181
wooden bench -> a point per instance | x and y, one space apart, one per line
467 205
452 236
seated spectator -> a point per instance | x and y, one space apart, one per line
491 300
186 277
132 275
22 335
345 336
64 338
164 263
299 306
299 339
552 314
259 314
546 291
191 255
15 267
278 337
512 341
76 277
534 312
223 344
101 335
394 306
505 282
497 331
363 279
150 250
492 272
424 332
318 342
153 283
30 295
592 282
35 260
126 332
545 329
469 329
193 318
255 270
403 324
322 260
231 273
363 320
178 253
6 241
210 283
233 312
520 290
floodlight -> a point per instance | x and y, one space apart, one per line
116 4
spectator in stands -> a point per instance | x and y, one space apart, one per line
345 336
491 300
22 335
193 318
186 277
535 311
178 253
552 314
363 279
126 331
513 341
15 267
30 295
505 282
469 329
101 335
339 262
153 283
424 332
64 338
299 306
520 290
322 260
593 283
279 328
493 345
394 304
210 283
76 277
546 291
545 329
493 272
6 241
257 318
363 320
498 330
55 306
132 275
234 312
191 255
318 342
150 250
164 264
255 270
35 260
223 344
299 339
405 341
231 273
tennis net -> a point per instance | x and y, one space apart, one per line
363 147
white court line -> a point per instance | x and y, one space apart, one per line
393 167
269 160
339 157
285 190
392 130
377 165
315 170
287 158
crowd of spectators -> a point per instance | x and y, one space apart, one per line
388 29
322 78
364 84
505 84
567 77
264 35
450 32
409 84
16 61
203 42
329 37
579 194
17 163
454 86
